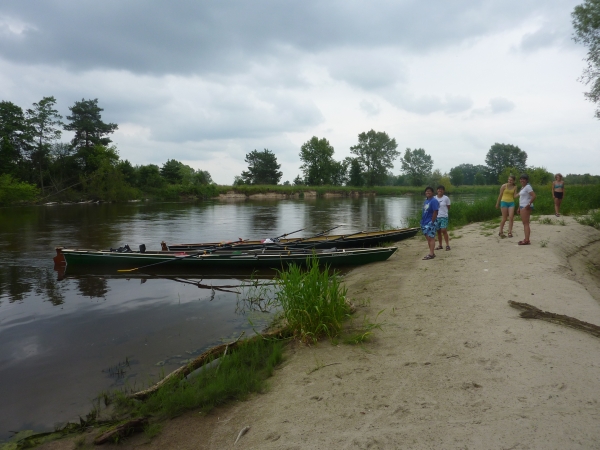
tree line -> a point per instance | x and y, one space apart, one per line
34 163
31 154
374 156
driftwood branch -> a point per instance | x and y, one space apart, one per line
531 312
122 431
204 358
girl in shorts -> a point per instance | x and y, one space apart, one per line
506 201
526 198
558 192
442 218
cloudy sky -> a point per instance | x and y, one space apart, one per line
206 82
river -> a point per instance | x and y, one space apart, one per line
64 342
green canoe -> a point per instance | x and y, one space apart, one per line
221 261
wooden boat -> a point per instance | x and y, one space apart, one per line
211 261
353 240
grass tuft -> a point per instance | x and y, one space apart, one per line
592 219
313 301
239 373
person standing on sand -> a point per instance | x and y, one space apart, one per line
442 218
428 220
526 199
558 192
506 201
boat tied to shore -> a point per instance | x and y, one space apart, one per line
223 261
320 241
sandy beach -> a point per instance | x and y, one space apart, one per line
453 367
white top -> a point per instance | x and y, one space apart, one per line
444 202
525 196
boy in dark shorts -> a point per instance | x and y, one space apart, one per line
428 220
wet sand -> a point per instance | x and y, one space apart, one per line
454 366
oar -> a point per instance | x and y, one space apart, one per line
312 237
287 234
340 238
163 262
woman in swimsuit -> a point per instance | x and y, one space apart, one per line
506 201
558 192
526 199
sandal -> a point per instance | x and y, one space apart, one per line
447 247
509 234
501 234
524 242
428 257
439 247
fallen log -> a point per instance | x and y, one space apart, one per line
204 358
531 312
121 431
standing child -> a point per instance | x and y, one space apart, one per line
506 201
428 220
442 218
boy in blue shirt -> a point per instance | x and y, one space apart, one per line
428 220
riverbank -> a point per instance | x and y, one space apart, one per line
454 366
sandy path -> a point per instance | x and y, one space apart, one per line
454 366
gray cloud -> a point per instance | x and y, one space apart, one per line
221 37
370 108
428 104
501 105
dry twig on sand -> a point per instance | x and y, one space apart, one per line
531 312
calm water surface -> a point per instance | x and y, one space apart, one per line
60 341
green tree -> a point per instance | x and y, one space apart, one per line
149 177
172 171
375 152
318 164
339 173
501 156
586 21
202 177
86 122
63 168
508 171
15 140
479 179
469 171
129 172
457 176
262 168
417 165
14 191
435 178
539 175
298 181
43 120
355 175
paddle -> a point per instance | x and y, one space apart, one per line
312 237
163 262
287 234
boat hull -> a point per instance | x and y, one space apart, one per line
355 240
196 262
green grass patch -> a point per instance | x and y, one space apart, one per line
592 219
233 377
312 300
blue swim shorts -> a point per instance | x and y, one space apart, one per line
442 223
507 204
429 229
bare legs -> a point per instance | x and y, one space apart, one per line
525 214
504 217
443 232
431 243
557 202
507 213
